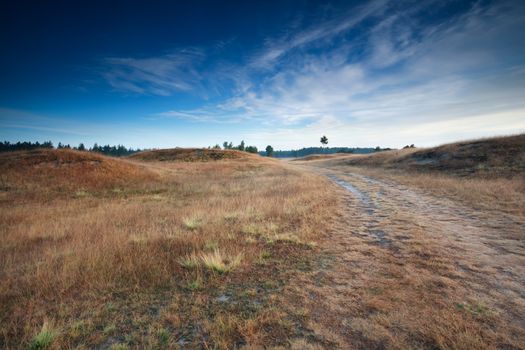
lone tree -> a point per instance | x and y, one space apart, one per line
324 140
269 151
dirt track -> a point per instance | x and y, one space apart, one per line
403 269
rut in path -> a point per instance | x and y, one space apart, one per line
407 269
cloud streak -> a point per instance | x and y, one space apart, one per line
376 70
163 75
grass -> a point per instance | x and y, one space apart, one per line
486 173
220 262
156 253
191 223
44 338
421 258
200 251
163 337
214 261
499 157
194 285
504 194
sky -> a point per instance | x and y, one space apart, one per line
157 74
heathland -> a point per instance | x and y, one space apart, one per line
221 249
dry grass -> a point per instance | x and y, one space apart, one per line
93 246
215 261
406 270
487 158
320 157
254 253
486 173
191 155
500 157
504 194
425 255
46 174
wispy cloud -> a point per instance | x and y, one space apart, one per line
275 49
163 75
374 71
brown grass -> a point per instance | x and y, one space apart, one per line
488 158
425 254
486 173
320 156
504 194
256 253
410 270
191 155
92 247
46 174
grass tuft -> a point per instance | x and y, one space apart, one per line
163 337
194 285
190 262
191 223
44 338
220 262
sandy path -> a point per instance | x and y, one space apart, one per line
407 270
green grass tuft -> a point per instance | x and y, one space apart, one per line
44 338
192 223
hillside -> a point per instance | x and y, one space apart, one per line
493 157
190 155
320 157
64 169
105 253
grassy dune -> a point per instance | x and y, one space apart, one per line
428 255
101 252
188 248
486 173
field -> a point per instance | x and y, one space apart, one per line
427 254
106 253
210 249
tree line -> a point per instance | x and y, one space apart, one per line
120 150
115 151
241 147
24 146
306 151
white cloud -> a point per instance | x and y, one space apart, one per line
162 75
275 49
399 79
444 74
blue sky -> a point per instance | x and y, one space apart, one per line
165 74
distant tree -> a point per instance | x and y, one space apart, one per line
81 147
269 151
217 146
324 140
377 149
251 149
225 144
241 146
26 145
60 145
